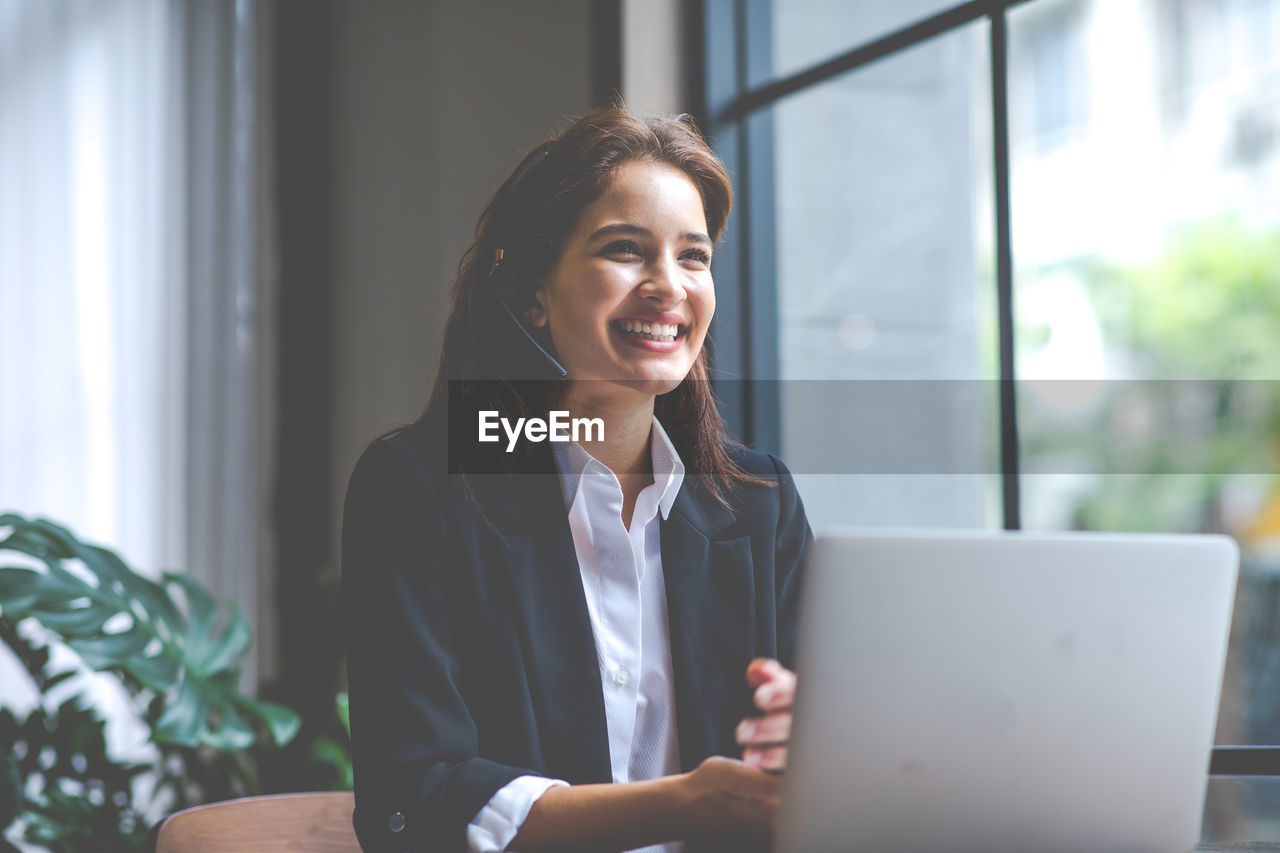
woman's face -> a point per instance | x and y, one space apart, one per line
631 297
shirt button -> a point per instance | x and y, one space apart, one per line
621 677
396 823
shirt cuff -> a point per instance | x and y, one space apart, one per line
493 827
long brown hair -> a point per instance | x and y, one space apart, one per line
529 218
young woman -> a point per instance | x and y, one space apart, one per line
567 645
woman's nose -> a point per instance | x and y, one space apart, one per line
665 282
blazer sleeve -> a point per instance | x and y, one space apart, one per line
792 539
418 778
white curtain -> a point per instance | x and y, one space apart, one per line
92 363
133 366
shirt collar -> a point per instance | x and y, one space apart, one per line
573 461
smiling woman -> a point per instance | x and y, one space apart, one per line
615 208
564 655
631 297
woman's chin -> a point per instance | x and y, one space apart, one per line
650 377
654 387
645 386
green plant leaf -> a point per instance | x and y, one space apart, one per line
344 710
189 656
231 733
328 752
229 647
185 716
107 650
10 792
104 564
202 615
158 672
282 722
15 581
33 537
158 607
23 589
75 622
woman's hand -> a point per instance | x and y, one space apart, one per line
727 800
764 739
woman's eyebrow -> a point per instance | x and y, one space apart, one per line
630 230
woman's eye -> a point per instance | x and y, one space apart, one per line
626 248
698 256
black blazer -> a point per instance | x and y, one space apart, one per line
471 659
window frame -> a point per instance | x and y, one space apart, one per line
737 87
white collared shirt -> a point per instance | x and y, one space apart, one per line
627 600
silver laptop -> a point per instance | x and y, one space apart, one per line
1006 692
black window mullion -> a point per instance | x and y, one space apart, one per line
1011 499
722 81
766 94
759 291
1245 761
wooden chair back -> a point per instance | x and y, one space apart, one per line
281 823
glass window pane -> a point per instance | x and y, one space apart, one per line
1242 810
807 32
1145 170
884 273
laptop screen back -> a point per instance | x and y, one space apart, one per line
1006 691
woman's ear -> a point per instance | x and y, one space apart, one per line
536 314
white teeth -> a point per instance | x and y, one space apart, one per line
650 331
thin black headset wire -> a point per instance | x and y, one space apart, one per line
495 277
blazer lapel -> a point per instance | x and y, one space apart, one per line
710 611
555 628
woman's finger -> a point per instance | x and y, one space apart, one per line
772 728
778 693
767 758
762 670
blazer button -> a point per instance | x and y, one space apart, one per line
396 823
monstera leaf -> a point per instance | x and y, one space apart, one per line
117 620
